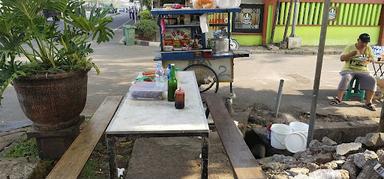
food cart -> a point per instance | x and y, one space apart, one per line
187 40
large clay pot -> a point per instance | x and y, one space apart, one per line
53 101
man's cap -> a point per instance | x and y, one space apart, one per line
365 37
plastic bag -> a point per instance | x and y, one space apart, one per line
228 3
204 4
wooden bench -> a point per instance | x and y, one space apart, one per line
242 161
73 160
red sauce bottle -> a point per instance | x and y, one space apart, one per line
179 99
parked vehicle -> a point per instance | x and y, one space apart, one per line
51 14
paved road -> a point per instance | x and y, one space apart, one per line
256 81
119 20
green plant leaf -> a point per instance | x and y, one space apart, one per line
25 33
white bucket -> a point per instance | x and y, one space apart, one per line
299 126
297 140
278 134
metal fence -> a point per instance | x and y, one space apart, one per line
348 14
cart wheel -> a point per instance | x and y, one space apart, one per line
205 76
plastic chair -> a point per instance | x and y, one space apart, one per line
354 90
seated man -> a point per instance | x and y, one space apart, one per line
356 58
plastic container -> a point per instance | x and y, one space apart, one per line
147 90
299 127
168 48
297 140
129 35
278 134
228 3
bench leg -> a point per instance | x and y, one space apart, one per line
111 141
204 158
207 113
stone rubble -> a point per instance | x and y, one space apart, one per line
348 148
380 155
368 172
298 171
326 159
328 141
351 168
372 140
361 158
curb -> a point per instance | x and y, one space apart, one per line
258 51
296 52
147 43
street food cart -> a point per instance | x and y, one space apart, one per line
188 41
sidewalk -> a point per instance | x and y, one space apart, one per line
306 50
256 82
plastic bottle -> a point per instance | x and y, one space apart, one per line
159 75
168 71
159 72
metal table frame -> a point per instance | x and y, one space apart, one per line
378 72
131 121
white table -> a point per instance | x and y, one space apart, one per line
147 118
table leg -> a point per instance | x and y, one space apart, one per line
374 69
380 66
207 113
204 158
111 141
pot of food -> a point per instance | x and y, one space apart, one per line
221 45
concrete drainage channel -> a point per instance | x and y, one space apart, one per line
338 150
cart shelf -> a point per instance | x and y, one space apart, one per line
182 26
224 25
192 26
203 60
162 11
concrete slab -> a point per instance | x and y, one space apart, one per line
257 79
177 158
17 168
7 138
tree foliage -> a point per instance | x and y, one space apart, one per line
48 48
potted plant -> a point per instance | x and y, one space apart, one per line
48 62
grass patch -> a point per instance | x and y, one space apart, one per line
23 148
89 170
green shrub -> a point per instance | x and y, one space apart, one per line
148 3
23 149
145 15
146 29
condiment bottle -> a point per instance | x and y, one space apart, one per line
179 99
172 84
